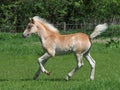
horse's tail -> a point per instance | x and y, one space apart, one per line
98 30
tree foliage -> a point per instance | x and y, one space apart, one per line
16 12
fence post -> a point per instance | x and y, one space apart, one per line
64 26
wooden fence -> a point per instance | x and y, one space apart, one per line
61 26
67 26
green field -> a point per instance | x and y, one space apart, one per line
18 63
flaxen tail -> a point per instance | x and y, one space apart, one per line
98 30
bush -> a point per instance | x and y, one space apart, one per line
113 43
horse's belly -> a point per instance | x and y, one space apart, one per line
63 51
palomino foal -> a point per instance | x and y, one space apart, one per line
54 43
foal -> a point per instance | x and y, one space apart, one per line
55 43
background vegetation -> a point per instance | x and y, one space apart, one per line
15 13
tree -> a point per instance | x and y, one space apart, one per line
15 13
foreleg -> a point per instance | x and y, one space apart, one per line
42 60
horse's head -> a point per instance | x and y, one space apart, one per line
31 28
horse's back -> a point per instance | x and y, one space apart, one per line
78 42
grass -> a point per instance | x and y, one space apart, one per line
18 63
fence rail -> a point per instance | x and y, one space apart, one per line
61 26
67 26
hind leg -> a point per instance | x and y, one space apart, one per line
79 64
92 63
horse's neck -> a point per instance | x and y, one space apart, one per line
44 34
41 30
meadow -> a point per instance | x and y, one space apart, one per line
18 63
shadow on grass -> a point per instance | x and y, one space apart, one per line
44 80
50 79
2 80
26 79
57 80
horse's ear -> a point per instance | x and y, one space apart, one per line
31 20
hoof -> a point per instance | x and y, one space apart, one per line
67 78
91 78
35 77
48 73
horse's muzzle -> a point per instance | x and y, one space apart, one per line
24 36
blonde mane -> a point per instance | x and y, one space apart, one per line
47 24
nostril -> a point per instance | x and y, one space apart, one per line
23 36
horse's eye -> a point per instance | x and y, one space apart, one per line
29 27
